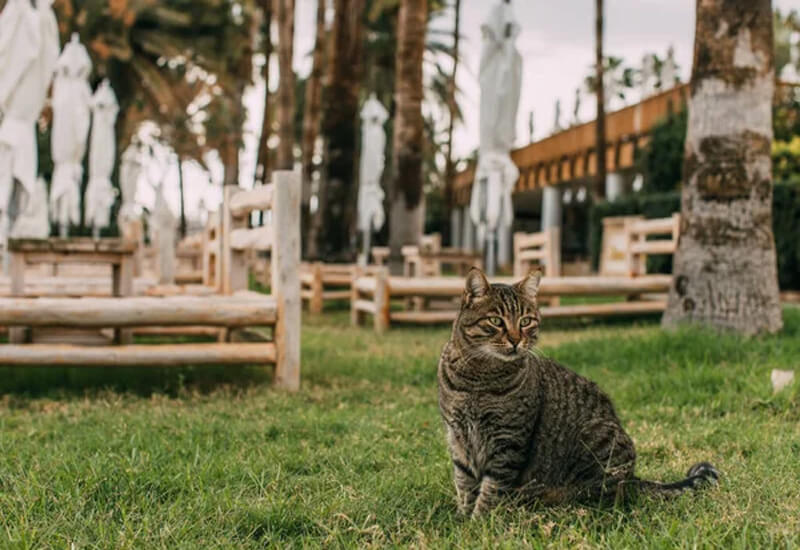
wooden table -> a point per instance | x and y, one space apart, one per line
116 252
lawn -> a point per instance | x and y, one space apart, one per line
206 458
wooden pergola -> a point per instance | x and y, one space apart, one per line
570 154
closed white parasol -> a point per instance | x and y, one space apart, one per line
500 82
71 115
371 216
28 53
130 170
162 232
99 192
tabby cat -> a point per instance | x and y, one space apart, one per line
522 427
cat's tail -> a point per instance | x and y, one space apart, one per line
699 476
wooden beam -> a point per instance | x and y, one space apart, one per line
164 355
139 311
604 310
258 238
258 198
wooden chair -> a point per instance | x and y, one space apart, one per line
543 249
212 248
234 311
639 243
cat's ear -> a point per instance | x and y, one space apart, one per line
477 285
529 286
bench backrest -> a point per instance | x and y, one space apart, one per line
640 244
279 236
542 248
628 240
415 262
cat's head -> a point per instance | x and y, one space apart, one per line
499 321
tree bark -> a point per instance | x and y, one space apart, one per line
262 160
313 111
285 158
600 122
183 199
405 221
452 108
230 155
332 229
725 269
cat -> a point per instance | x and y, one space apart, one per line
522 427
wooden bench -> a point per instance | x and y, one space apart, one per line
640 245
627 242
322 282
229 313
542 249
189 256
212 248
373 295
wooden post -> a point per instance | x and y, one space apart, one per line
17 335
553 267
315 303
381 317
122 285
286 277
356 317
234 262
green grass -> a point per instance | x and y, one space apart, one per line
209 458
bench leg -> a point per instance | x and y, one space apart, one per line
122 285
17 335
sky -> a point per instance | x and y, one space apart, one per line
557 46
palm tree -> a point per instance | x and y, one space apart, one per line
406 193
262 157
285 158
313 110
452 109
332 226
160 56
725 268
600 124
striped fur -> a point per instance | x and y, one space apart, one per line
522 427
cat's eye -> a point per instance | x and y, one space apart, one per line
525 322
496 321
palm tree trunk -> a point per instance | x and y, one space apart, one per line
600 123
230 155
405 222
313 111
285 160
332 228
725 268
183 199
262 161
452 108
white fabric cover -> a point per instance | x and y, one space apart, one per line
72 98
162 233
490 204
371 216
100 194
500 82
129 172
33 222
28 53
669 71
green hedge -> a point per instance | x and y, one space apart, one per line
785 216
